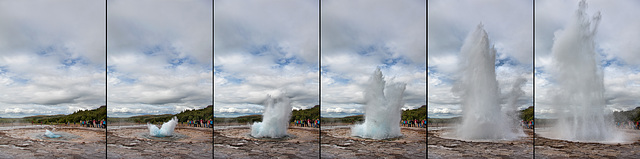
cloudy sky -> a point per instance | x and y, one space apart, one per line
264 48
617 40
159 56
52 57
509 26
360 35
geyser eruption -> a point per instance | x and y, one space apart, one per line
275 118
165 131
50 134
382 109
483 118
579 96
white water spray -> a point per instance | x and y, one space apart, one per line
166 129
580 95
50 134
275 118
483 118
382 109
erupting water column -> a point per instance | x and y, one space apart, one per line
165 131
382 110
483 117
580 94
275 119
50 134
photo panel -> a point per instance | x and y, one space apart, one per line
266 79
373 79
587 76
52 79
480 79
159 78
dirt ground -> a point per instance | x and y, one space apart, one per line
440 147
20 142
552 148
235 142
338 143
126 142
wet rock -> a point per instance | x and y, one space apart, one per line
23 145
344 144
237 144
130 144
451 145
557 146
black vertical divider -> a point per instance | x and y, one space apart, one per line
212 81
106 95
320 76
534 75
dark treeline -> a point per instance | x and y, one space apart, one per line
415 114
630 115
410 114
527 114
80 115
194 114
304 114
348 119
311 113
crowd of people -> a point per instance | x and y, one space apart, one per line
414 123
92 123
200 123
527 124
307 123
629 125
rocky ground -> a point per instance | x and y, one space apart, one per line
552 148
338 143
126 142
440 147
20 143
235 142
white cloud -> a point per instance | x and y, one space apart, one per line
51 57
509 26
357 37
262 48
159 56
616 43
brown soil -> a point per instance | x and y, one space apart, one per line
451 148
236 143
127 143
552 148
338 143
17 143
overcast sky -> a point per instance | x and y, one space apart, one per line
264 48
617 40
51 57
509 26
360 35
159 56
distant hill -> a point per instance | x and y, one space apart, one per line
630 115
311 113
97 114
347 119
527 114
195 114
411 114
